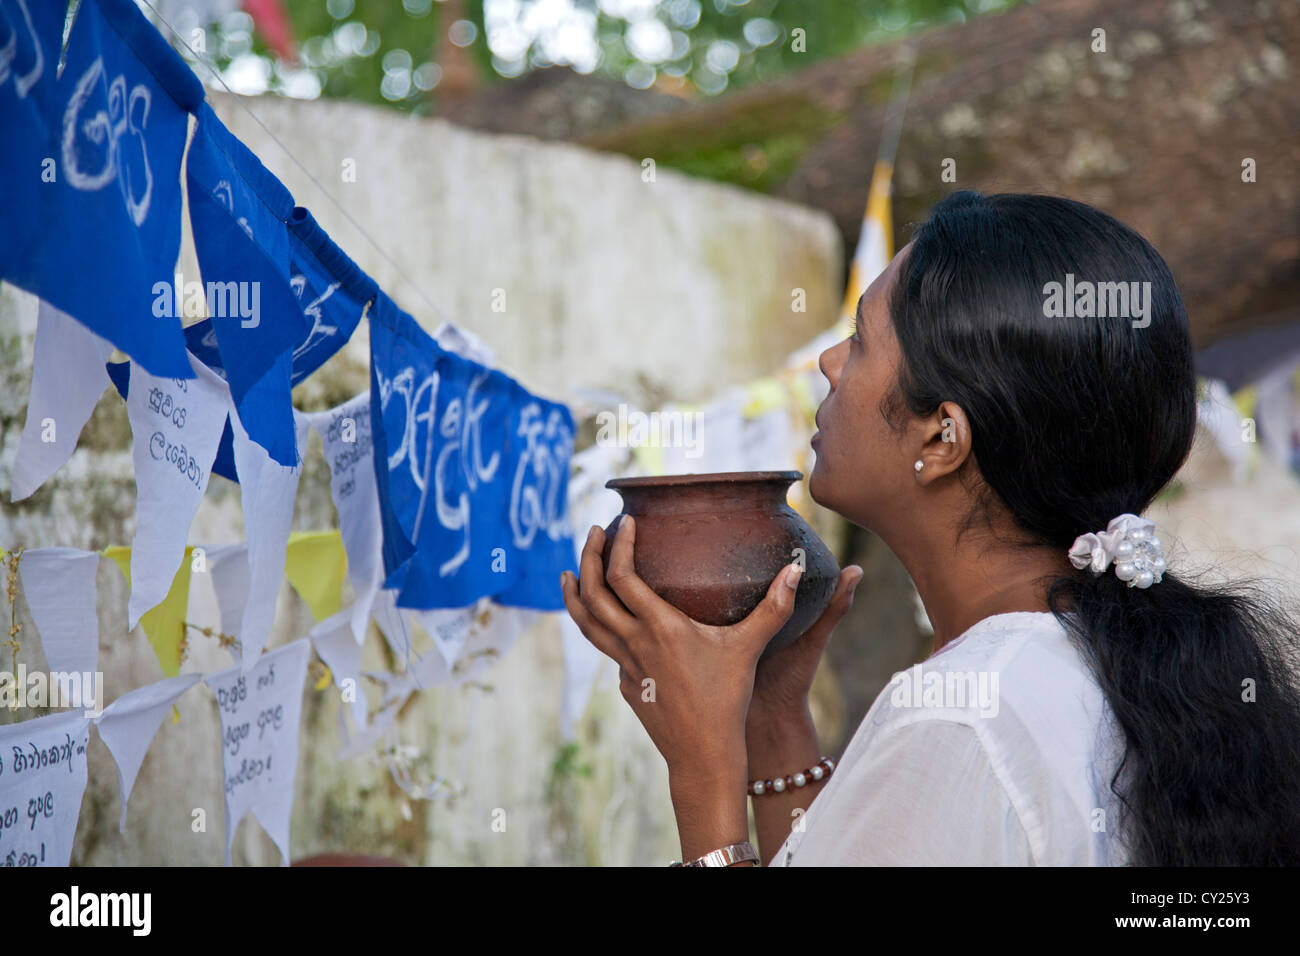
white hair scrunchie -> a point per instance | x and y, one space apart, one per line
1130 542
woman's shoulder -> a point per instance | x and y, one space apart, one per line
1027 693
1014 668
1020 723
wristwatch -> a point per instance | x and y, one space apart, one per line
727 856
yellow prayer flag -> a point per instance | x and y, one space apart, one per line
315 564
875 242
165 624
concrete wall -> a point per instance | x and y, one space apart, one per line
658 289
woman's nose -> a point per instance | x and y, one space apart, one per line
829 365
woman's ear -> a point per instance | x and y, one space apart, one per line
946 442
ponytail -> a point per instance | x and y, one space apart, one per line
1202 682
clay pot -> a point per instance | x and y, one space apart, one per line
711 545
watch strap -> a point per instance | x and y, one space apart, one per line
726 856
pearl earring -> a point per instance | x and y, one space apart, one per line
919 465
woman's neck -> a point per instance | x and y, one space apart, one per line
978 580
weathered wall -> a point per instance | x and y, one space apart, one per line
650 289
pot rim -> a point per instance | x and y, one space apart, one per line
706 478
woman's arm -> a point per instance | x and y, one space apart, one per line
710 805
698 688
777 747
710 808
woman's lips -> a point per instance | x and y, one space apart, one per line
817 416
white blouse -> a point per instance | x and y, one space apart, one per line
998 750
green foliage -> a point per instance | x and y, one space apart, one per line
386 51
390 32
775 37
566 762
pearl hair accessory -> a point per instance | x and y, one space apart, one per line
1131 543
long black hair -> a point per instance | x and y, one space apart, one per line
1075 420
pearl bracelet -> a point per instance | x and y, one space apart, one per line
821 770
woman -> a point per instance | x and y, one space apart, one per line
1002 446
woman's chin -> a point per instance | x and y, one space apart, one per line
822 490
815 482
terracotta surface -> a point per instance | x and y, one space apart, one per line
711 545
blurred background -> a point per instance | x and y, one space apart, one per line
675 200
423 56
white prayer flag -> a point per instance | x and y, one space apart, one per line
177 424
128 725
42 781
393 623
228 565
1221 417
59 584
260 712
68 377
267 490
448 628
349 451
342 655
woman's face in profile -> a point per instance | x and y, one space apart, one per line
862 467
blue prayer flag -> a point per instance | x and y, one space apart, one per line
88 176
472 473
238 212
332 292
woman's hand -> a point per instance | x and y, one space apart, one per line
783 680
689 683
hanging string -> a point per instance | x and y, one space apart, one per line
15 628
438 310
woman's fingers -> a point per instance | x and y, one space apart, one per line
601 637
595 595
773 611
839 605
635 594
